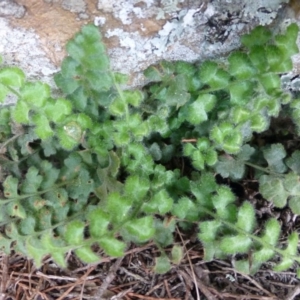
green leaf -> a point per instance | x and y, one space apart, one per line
228 166
133 97
74 232
20 112
234 167
210 249
176 94
262 255
160 203
229 214
11 187
82 186
246 217
153 74
69 135
270 82
43 129
232 144
226 137
65 84
59 258
32 181
134 122
258 36
258 57
272 232
55 247
162 265
86 255
242 266
112 246
155 151
198 160
240 115
136 187
287 42
211 157
15 209
164 232
292 184
293 162
220 80
35 251
121 78
12 76
292 246
209 230
98 222
69 67
274 155
27 225
272 189
141 229
235 244
176 254
294 204
182 207
117 206
223 198
57 110
4 91
207 71
75 51
5 244
241 92
91 33
79 98
274 57
35 93
285 264
259 123
50 175
240 65
196 113
98 81
118 107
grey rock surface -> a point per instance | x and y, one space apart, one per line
137 33
11 8
75 6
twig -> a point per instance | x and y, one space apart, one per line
190 263
293 293
109 278
189 140
5 268
80 280
255 283
63 277
150 298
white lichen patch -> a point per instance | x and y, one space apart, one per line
25 51
191 31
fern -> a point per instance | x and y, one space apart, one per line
98 168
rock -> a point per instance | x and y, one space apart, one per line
75 6
137 33
11 8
